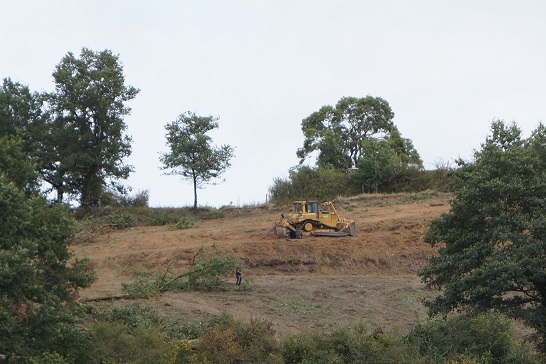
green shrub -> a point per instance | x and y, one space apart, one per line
308 348
212 214
182 353
219 345
210 268
230 341
486 337
185 222
117 343
159 217
311 183
48 358
133 315
352 344
120 220
142 287
115 198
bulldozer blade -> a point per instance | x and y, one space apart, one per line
335 234
352 229
273 229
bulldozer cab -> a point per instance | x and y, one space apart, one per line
306 207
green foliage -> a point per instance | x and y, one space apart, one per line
118 343
16 166
377 167
207 272
18 108
48 358
182 353
160 217
210 269
211 214
86 144
486 338
136 333
115 198
404 149
38 276
230 341
493 252
338 133
185 222
191 154
352 344
143 286
134 315
120 220
311 184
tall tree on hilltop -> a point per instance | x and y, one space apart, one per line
191 154
86 144
338 133
492 243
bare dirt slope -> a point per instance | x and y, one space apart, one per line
310 283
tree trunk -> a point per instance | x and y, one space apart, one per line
60 195
195 193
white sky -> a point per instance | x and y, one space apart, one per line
447 68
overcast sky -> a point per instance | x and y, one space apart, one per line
447 69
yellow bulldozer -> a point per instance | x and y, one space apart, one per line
308 218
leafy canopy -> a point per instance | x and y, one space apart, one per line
192 154
337 133
86 143
38 277
492 251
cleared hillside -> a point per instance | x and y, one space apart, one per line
298 284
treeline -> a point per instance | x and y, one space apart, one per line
325 183
136 333
357 149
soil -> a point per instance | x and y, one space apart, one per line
314 283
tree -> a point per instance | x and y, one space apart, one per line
18 108
85 145
16 166
492 251
377 167
38 277
404 149
338 132
192 156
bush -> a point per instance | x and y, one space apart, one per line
115 198
230 341
185 222
158 217
308 349
352 344
48 358
219 345
117 343
306 183
210 268
485 337
182 353
142 287
121 221
133 315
